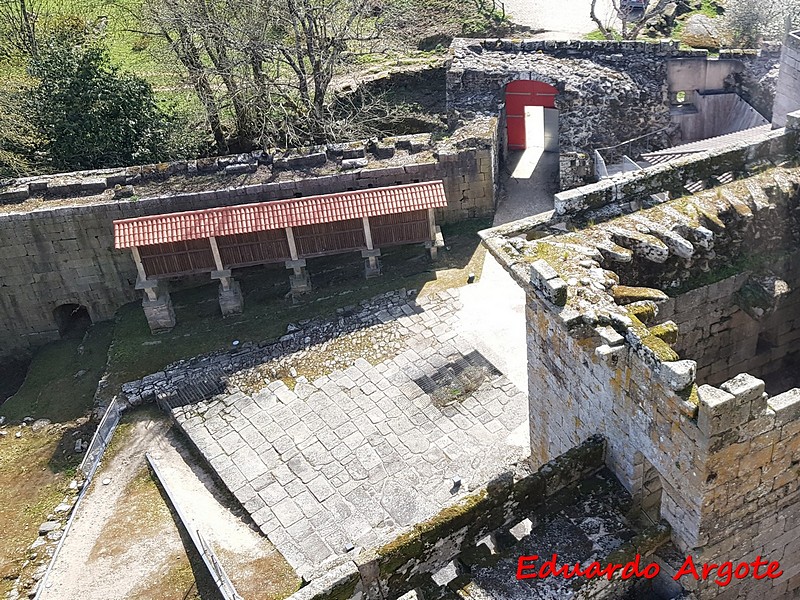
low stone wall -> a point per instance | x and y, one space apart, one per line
672 177
412 558
57 232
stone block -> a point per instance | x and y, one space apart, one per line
231 301
715 410
160 314
300 284
786 406
354 163
745 387
678 374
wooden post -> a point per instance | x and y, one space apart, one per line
139 266
215 251
432 223
367 232
292 245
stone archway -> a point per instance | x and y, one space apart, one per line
71 319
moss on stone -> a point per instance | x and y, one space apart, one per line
643 311
689 394
410 544
668 332
660 349
626 294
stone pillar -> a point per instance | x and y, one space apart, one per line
299 280
157 305
372 262
230 293
437 239
787 88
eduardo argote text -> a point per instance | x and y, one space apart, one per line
530 567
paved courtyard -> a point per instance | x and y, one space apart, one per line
349 459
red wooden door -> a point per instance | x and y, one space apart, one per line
519 94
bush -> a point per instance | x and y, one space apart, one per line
88 113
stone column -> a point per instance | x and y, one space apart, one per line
157 305
299 280
372 262
437 239
230 293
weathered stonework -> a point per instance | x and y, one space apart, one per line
787 93
724 457
58 245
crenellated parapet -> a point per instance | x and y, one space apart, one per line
673 332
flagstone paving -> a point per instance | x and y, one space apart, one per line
351 458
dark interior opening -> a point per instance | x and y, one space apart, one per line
72 320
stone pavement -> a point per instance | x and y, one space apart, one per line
351 458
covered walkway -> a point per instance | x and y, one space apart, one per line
218 240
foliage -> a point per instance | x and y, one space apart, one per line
750 21
88 113
17 136
268 63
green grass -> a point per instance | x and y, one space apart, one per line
596 35
51 389
707 8
200 328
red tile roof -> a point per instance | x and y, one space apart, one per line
248 218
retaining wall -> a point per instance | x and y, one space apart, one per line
57 232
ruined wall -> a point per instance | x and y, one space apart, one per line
609 92
602 359
746 323
787 94
626 192
57 232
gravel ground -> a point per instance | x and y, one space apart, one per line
562 20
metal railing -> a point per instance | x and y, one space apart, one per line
221 579
626 148
105 431
91 460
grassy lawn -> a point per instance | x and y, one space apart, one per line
62 378
200 328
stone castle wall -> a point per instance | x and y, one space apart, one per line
602 360
743 324
608 92
787 93
58 243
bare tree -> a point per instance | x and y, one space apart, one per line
631 17
264 67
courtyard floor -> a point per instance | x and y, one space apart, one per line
349 459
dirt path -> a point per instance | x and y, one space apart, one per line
256 569
124 542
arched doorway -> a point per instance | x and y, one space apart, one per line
72 320
526 126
